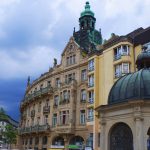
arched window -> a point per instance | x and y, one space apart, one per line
148 140
121 137
58 141
76 140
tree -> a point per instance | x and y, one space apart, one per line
10 135
3 115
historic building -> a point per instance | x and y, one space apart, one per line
54 112
57 111
124 122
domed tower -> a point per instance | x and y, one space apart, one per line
87 37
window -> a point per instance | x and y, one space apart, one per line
37 140
90 114
83 75
46 119
44 140
91 97
41 86
38 120
56 99
121 50
57 82
71 60
82 116
120 69
91 81
64 117
125 68
39 107
91 65
83 95
30 141
54 122
48 83
69 78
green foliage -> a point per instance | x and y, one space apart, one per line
10 134
3 115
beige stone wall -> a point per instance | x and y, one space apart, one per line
136 115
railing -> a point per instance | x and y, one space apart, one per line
118 56
36 128
83 100
90 119
90 85
39 93
46 109
64 128
64 101
91 68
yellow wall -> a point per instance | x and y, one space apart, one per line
104 77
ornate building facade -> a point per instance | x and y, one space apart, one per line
57 111
54 113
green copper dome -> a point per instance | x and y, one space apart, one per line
143 59
87 11
134 86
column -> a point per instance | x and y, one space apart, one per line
139 138
102 135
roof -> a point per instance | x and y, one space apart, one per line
134 86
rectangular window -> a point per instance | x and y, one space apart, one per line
125 68
82 116
91 97
90 114
56 100
45 119
64 117
57 82
83 95
91 65
54 122
83 75
120 69
91 81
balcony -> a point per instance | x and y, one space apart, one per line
83 101
34 129
46 109
65 128
90 119
91 68
33 113
64 101
90 85
36 94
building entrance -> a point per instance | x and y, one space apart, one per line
121 137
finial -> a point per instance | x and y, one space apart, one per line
55 62
87 6
74 30
28 81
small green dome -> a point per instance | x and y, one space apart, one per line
143 59
87 11
134 86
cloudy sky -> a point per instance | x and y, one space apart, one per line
33 32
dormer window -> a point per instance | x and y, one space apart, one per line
71 60
122 50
